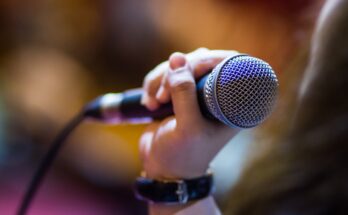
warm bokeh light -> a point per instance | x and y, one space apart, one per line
57 55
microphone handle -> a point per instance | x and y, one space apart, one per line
127 107
131 107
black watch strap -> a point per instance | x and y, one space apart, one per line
175 191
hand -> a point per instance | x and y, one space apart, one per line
183 145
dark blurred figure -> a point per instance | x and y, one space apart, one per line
307 172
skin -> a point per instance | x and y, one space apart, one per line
183 145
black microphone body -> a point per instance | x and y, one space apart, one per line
131 107
127 107
240 92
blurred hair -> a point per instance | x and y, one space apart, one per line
306 172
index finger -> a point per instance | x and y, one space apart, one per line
203 60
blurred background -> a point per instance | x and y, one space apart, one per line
56 55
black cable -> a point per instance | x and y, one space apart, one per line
47 162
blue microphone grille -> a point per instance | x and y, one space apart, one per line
241 91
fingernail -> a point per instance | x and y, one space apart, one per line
177 60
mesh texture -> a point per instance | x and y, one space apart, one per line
241 91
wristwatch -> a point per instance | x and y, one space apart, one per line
173 191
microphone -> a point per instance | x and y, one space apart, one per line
240 92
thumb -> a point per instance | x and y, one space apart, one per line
182 88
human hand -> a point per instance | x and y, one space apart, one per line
200 62
183 145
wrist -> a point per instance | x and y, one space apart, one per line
161 209
174 175
174 192
206 206
171 172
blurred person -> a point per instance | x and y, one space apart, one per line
303 174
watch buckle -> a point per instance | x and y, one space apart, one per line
182 193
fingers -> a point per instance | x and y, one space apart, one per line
163 94
203 60
152 83
182 88
199 62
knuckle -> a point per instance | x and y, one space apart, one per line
148 78
181 85
151 84
156 73
151 89
175 53
201 49
160 68
153 79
